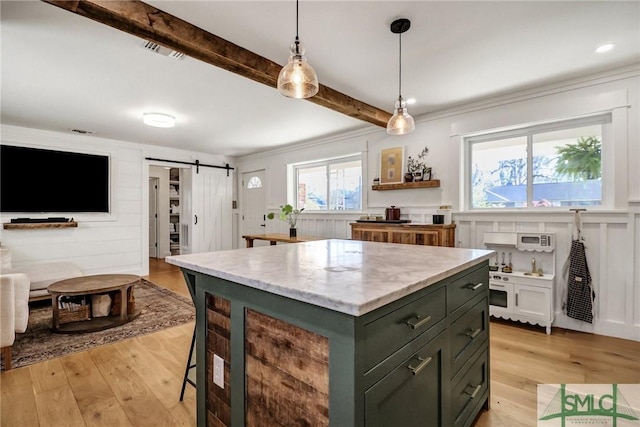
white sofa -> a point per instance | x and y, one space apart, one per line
40 275
14 311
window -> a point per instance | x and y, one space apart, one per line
254 182
330 185
552 165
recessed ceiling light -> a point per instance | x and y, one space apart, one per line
411 101
604 48
159 120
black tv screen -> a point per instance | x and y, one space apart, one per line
33 180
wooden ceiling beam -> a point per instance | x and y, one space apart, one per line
147 22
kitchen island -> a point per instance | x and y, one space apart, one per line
341 333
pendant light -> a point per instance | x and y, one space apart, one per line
297 79
401 122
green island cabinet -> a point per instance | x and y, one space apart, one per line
340 333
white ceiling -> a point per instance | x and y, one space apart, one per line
61 71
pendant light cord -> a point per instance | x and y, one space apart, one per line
400 66
297 38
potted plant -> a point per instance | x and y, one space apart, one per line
289 215
417 167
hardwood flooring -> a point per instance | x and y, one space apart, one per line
137 382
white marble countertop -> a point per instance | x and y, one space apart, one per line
348 276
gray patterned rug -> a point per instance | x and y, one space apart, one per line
160 309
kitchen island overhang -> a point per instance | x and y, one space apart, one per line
334 322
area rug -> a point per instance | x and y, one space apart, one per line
160 309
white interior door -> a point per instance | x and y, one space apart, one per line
254 205
153 217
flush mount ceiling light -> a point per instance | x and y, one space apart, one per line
401 122
159 120
297 79
604 48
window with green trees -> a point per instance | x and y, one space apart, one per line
543 166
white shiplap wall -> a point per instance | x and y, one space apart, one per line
102 243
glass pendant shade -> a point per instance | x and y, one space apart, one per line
401 122
297 79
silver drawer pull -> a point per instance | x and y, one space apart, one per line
475 287
473 334
475 391
423 364
420 321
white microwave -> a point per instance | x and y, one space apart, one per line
539 242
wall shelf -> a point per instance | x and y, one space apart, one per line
434 183
34 225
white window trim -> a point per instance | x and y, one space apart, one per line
604 118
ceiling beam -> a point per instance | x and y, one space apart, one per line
147 22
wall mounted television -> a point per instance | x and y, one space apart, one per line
34 180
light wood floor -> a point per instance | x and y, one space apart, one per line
137 382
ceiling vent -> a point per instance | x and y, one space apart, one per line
156 48
82 131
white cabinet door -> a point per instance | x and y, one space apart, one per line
533 302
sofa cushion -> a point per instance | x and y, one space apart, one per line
5 259
20 283
43 274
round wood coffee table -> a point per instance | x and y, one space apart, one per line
93 285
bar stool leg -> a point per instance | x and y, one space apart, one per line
189 366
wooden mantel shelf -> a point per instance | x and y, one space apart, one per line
405 185
34 225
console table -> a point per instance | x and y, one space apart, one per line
273 238
414 234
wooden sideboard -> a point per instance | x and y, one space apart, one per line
414 234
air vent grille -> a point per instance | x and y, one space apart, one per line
82 131
156 48
153 47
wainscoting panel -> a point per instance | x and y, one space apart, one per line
612 244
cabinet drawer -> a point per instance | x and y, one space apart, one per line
412 393
468 333
463 289
388 333
468 391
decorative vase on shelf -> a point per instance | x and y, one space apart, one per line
293 232
408 177
417 176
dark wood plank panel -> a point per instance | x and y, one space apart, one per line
218 342
287 374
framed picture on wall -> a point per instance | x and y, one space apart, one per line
391 165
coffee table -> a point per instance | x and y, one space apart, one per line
93 285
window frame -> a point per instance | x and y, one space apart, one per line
293 191
528 131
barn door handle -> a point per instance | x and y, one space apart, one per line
423 364
196 219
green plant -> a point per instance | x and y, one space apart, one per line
287 214
581 161
418 164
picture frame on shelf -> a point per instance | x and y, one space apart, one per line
426 175
392 165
